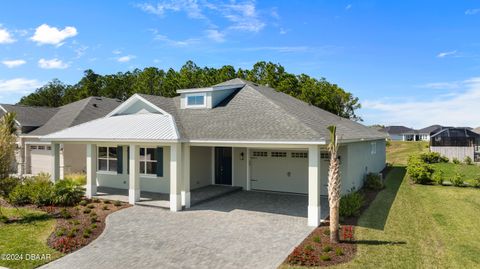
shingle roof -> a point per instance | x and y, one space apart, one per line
430 129
398 130
256 113
76 113
30 116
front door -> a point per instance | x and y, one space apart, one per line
223 166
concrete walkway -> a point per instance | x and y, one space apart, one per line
239 230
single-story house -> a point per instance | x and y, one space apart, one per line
34 156
456 143
402 133
236 133
424 134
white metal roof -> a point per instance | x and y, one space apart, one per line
213 88
135 127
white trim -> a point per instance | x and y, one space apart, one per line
37 143
233 161
103 172
211 89
213 165
242 142
248 169
202 94
134 97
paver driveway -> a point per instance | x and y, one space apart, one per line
240 230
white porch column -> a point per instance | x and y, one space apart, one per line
186 176
91 170
134 176
314 186
62 161
247 158
175 177
55 162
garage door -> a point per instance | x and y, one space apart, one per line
41 159
284 171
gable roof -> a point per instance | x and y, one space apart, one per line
29 116
260 113
76 113
456 132
398 130
430 129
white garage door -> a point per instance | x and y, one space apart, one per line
283 170
41 159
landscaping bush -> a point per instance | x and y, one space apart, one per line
87 232
67 192
87 211
20 195
419 171
339 252
350 204
468 160
325 258
79 178
433 157
327 248
458 179
475 182
8 184
455 161
438 177
317 239
65 214
373 181
309 248
91 206
83 202
117 203
105 207
41 191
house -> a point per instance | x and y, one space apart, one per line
399 133
425 133
34 156
236 133
456 143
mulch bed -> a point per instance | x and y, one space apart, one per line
79 225
316 249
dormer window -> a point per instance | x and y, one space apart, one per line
196 100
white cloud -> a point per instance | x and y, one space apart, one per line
215 35
45 34
52 64
473 11
283 31
20 85
456 109
442 85
5 36
126 58
349 6
117 51
176 43
191 7
13 63
446 53
244 16
279 49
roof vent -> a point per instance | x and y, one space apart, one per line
95 105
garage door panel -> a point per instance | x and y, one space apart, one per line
41 161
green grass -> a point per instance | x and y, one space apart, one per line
28 235
449 170
418 226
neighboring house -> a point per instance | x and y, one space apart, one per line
477 130
399 133
236 133
425 133
456 143
34 156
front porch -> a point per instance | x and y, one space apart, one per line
162 200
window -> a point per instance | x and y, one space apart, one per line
325 155
195 100
299 155
148 161
49 148
279 154
33 147
107 159
260 154
41 147
373 148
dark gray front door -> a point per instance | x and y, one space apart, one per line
223 166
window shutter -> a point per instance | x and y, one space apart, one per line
119 159
159 162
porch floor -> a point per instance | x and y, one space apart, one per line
156 199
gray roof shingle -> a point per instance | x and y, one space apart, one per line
76 113
31 116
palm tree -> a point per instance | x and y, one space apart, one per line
334 186
9 120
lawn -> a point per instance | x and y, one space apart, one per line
418 226
28 236
450 169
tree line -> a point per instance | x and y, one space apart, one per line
155 81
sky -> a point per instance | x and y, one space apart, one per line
412 63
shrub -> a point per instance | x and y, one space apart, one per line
350 204
325 257
87 232
326 232
117 203
105 207
458 179
419 171
96 200
339 252
83 203
79 178
475 183
107 202
91 206
60 232
455 161
468 160
65 214
93 226
438 177
20 195
41 191
72 233
308 248
94 219
317 239
75 222
433 157
373 181
67 192
87 210
327 248
65 244
8 184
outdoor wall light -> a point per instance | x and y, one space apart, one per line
241 155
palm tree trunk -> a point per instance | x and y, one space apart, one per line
334 187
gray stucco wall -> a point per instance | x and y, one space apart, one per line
200 167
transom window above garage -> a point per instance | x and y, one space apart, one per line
279 154
299 155
325 155
260 154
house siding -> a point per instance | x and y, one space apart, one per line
455 152
200 167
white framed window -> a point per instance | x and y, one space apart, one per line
373 146
299 154
195 100
107 159
49 148
260 154
279 154
41 147
33 147
148 161
325 155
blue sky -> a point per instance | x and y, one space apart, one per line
413 63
